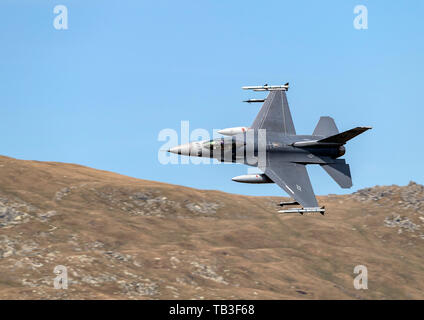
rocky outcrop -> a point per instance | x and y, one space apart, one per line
409 197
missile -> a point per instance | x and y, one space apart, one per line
266 87
253 178
305 210
254 100
290 203
233 131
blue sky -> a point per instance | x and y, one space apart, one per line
99 93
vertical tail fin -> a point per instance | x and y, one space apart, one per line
326 127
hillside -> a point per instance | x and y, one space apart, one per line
125 238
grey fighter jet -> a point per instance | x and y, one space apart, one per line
272 145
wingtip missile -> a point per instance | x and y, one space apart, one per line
305 210
267 87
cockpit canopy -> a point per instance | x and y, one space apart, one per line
222 143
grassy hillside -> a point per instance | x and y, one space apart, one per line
125 238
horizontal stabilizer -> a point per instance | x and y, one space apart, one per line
343 137
340 172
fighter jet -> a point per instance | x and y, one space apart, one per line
272 145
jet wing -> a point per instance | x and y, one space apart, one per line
275 114
292 178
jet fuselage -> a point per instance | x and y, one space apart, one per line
247 147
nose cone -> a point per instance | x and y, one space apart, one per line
183 149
